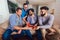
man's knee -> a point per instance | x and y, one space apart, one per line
4 36
39 34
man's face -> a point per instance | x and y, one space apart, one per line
19 12
25 7
43 12
30 12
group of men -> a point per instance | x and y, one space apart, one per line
26 19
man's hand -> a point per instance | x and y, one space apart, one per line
19 31
38 27
24 19
17 28
34 27
26 28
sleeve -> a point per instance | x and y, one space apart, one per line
28 19
50 23
12 21
40 21
36 20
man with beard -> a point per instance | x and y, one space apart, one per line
32 22
32 18
45 21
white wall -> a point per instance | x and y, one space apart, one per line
4 12
57 14
56 6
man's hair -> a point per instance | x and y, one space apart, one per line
18 9
25 4
31 9
44 7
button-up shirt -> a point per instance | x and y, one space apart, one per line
32 20
15 21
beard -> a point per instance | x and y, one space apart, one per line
30 14
42 14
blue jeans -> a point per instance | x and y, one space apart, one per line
7 34
39 34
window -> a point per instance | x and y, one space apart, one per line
12 7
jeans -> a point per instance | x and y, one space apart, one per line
39 34
7 34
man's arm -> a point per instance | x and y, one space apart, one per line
24 19
17 28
